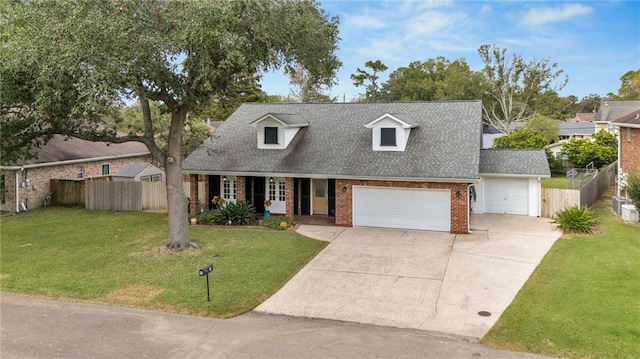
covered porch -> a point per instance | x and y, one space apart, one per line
306 200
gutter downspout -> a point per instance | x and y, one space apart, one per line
18 191
619 191
469 211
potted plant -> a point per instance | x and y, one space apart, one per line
267 204
194 221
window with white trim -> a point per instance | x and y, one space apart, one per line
281 190
270 135
272 191
105 169
151 178
80 172
229 189
387 136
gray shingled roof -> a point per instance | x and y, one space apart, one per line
631 119
445 144
59 149
289 119
132 169
577 128
612 109
518 162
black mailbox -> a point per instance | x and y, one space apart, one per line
206 270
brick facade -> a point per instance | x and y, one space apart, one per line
344 200
459 204
33 194
289 196
630 149
193 194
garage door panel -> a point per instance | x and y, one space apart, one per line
506 195
402 208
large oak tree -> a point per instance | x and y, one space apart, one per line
66 65
513 86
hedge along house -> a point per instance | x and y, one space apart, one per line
396 165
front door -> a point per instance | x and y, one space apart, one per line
320 196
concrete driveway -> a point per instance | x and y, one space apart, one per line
416 279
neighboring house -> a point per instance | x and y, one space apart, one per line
140 171
396 165
613 109
584 117
26 183
213 125
569 130
628 144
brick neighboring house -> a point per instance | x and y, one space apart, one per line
628 144
415 165
26 184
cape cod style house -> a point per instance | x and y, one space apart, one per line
412 165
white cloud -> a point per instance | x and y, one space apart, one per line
432 23
421 5
365 22
543 15
485 9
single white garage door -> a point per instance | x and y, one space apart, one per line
506 195
402 208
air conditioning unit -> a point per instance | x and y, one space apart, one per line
629 213
617 203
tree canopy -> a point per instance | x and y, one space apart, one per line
522 138
433 80
602 151
361 77
65 65
629 86
514 84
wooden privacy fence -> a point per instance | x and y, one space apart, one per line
67 192
555 199
115 195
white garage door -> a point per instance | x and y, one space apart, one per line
402 208
506 195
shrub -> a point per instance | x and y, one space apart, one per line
278 222
206 217
575 219
238 214
633 188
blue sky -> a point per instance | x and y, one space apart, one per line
594 42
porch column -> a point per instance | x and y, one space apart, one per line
240 189
289 196
193 194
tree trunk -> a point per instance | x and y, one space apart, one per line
176 200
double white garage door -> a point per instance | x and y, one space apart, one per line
408 208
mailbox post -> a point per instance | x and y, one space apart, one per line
204 271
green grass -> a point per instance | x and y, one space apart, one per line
119 258
583 300
555 182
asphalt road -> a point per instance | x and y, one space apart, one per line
40 328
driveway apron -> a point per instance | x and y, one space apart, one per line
417 279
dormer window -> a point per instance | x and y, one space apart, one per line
387 136
390 132
270 135
276 130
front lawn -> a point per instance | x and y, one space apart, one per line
583 300
118 258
